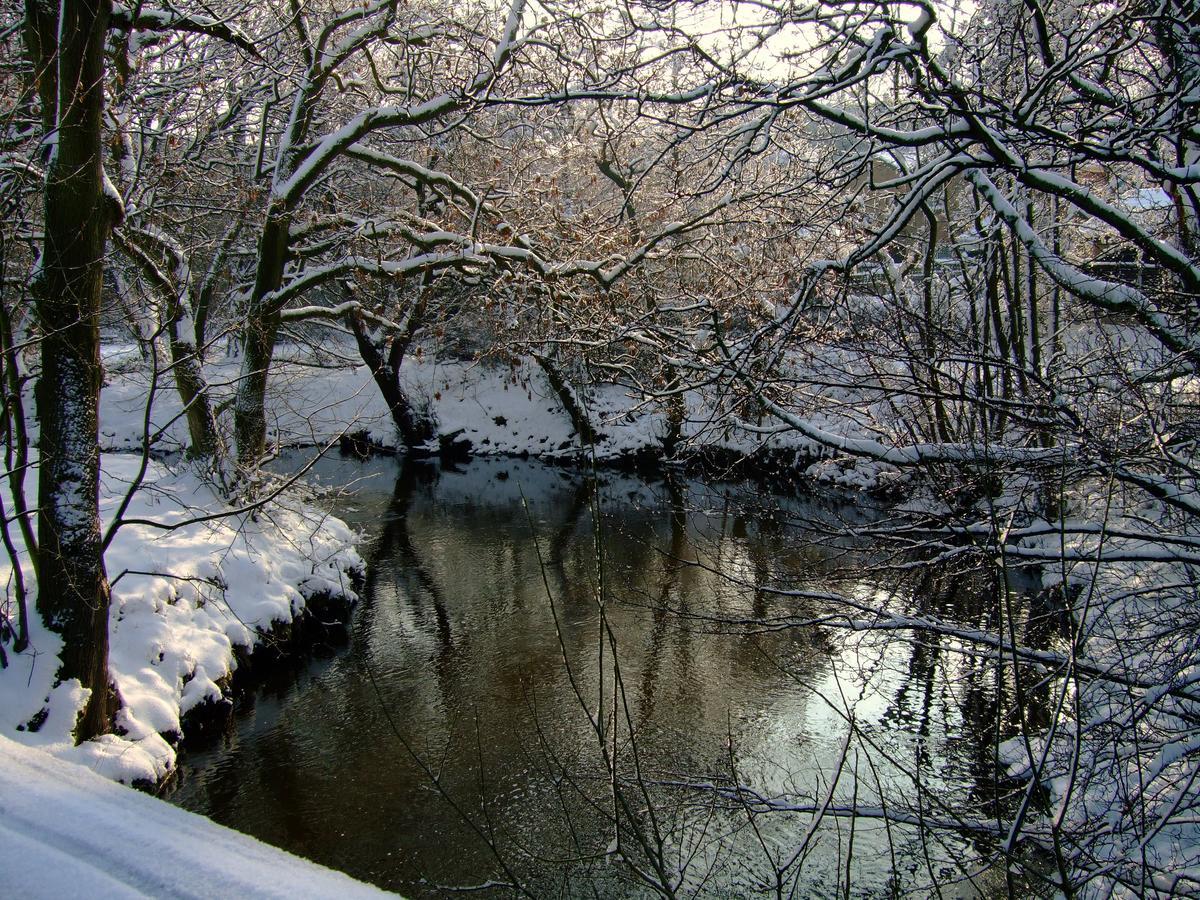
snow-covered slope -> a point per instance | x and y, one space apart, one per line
67 832
189 586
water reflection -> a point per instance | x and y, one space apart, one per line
455 655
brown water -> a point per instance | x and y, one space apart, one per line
452 742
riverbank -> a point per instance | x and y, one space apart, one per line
490 409
458 655
195 586
195 591
189 600
192 598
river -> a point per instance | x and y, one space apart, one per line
508 644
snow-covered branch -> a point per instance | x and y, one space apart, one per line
1107 295
140 18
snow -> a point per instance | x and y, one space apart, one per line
173 637
921 24
1110 295
190 586
110 190
185 594
503 409
1146 199
66 832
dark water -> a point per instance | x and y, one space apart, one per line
461 714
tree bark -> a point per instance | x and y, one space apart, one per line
73 590
413 429
203 432
258 342
588 436
175 318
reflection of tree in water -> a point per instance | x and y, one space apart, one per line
677 677
940 677
683 685
394 556
668 592
267 770
914 704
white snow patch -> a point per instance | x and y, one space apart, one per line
66 832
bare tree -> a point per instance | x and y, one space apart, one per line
66 46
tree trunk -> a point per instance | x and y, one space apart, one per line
73 591
588 436
258 343
203 432
412 429
249 411
175 319
16 458
941 422
676 412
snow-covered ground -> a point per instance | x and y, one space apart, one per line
185 593
502 409
66 832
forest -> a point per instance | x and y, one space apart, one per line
940 259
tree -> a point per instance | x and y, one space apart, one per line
66 46
1022 339
303 160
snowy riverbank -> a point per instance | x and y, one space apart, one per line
189 587
193 589
501 409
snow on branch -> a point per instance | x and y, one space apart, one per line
335 312
358 264
910 455
359 37
333 145
417 172
141 19
470 253
148 267
1085 200
910 204
1163 489
955 128
913 454
13 162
